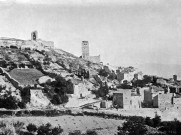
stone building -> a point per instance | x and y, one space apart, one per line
120 77
34 35
147 97
177 101
135 101
77 88
85 53
125 99
122 99
150 93
163 101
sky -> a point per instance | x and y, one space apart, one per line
123 32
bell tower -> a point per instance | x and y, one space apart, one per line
34 35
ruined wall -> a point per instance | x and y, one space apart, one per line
46 44
118 100
94 59
12 80
120 76
34 35
135 102
177 102
11 42
147 97
126 99
80 90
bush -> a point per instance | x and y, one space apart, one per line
149 122
31 128
91 132
156 121
76 132
18 127
56 130
172 127
22 105
48 130
8 103
44 129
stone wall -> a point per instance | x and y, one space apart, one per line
12 80
177 102
94 59
163 101
148 97
11 42
118 100
80 90
120 76
135 102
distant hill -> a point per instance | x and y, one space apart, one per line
163 70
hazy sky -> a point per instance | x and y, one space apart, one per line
123 32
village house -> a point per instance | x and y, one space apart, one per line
124 98
163 101
129 76
78 89
177 101
150 93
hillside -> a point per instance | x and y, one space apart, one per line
56 75
26 62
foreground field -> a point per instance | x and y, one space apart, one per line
71 123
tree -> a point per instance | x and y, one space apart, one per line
132 128
149 122
156 121
31 128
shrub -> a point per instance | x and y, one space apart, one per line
8 103
48 130
137 119
22 105
132 128
91 132
76 132
31 127
149 122
156 121
2 124
18 126
56 130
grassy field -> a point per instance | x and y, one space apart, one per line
71 123
26 76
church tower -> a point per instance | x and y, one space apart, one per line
85 49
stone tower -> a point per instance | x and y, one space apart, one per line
34 35
85 49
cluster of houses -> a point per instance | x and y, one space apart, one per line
164 98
